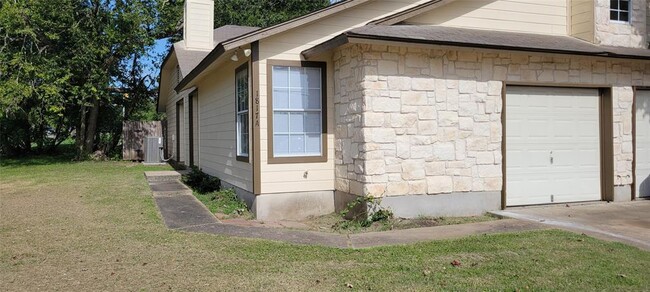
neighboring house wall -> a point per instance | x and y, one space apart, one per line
428 121
542 17
622 34
287 178
216 112
582 19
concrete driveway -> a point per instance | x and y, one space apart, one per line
624 222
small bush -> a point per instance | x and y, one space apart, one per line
374 214
230 203
201 182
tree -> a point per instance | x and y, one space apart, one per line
77 67
61 61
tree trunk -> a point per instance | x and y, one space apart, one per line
57 134
89 144
81 133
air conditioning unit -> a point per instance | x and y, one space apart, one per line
152 150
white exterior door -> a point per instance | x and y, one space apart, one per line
643 144
552 145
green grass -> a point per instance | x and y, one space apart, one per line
224 202
93 226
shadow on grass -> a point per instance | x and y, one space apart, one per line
64 155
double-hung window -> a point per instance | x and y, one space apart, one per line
619 10
298 112
241 98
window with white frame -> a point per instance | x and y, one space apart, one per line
619 10
297 94
241 96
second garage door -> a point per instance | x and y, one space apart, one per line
552 145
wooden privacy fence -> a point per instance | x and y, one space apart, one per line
134 133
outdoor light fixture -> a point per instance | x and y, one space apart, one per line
235 58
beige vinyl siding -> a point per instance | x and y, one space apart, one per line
217 129
582 19
530 16
170 111
283 178
289 45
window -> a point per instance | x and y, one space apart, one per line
241 97
297 111
619 10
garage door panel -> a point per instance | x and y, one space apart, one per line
553 154
642 179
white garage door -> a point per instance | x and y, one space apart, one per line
643 144
552 145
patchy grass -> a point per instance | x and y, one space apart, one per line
224 202
335 223
93 226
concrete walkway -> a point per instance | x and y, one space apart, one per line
179 208
182 211
624 222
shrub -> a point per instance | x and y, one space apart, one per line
200 181
373 212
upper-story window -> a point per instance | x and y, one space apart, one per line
619 10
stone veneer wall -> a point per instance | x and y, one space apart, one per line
632 34
413 121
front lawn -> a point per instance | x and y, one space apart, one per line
93 226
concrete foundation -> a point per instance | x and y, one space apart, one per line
622 193
447 205
293 206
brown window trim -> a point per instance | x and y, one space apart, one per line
269 93
241 158
190 123
178 130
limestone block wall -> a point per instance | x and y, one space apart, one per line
632 34
414 121
623 98
349 106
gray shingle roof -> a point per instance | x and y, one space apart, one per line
189 59
476 38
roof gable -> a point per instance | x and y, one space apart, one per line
526 16
411 12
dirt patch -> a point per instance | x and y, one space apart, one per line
335 223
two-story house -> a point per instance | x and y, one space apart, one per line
440 107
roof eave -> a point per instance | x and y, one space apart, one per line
205 63
162 67
293 23
262 33
410 12
351 37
